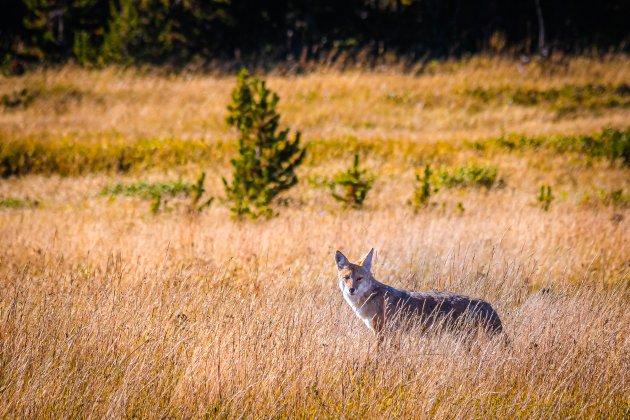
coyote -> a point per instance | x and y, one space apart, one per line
381 306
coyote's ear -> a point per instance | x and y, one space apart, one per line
367 260
341 260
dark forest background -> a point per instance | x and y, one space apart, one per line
184 31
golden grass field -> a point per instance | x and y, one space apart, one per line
108 310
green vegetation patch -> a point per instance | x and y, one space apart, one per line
58 95
160 192
423 190
350 187
70 157
341 148
545 197
148 190
18 203
617 198
20 98
563 99
470 175
429 183
612 144
73 157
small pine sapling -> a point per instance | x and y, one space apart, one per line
156 202
197 205
422 192
267 157
350 187
545 197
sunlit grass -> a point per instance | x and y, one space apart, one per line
111 310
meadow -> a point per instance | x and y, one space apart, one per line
110 309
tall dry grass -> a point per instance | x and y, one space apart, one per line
96 105
106 310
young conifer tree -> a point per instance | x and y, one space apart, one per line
351 186
267 157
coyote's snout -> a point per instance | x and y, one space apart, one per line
379 305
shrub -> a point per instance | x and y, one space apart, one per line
146 190
138 31
198 203
611 144
18 98
160 192
564 99
617 198
615 144
17 203
422 192
351 186
84 52
545 197
470 175
72 157
267 158
156 192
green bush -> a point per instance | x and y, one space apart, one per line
198 202
470 175
612 144
73 157
160 192
567 98
84 52
18 203
138 30
156 192
351 186
423 190
18 98
147 190
267 158
545 197
617 198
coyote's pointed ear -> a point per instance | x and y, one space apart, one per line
341 260
367 260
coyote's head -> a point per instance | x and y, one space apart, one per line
355 280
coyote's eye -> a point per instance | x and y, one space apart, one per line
346 277
359 278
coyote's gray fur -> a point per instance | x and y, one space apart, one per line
381 306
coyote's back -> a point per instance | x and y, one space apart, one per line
441 307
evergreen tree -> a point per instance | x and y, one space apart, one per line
175 32
351 186
267 157
138 31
